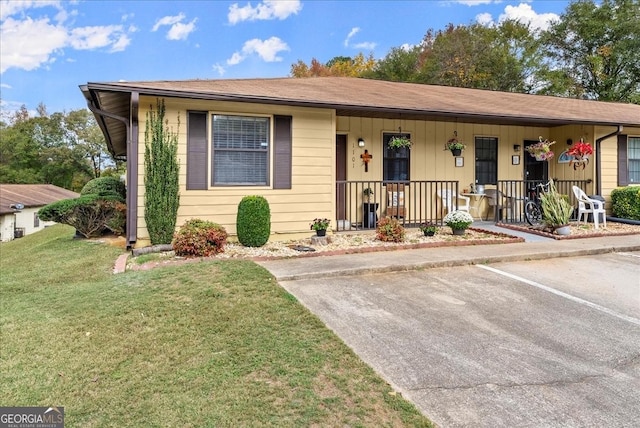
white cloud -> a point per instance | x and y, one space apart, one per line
27 43
267 50
219 69
86 38
168 20
353 32
523 13
267 10
475 2
5 86
365 45
178 30
12 7
361 45
485 19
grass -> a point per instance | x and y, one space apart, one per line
209 344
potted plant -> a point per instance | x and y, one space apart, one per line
556 210
455 146
541 150
458 221
368 193
428 228
580 152
400 141
320 225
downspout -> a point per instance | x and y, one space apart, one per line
132 178
599 160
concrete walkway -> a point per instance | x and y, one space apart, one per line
403 260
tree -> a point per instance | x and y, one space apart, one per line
498 58
337 66
161 197
594 51
59 149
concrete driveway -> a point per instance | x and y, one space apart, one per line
553 343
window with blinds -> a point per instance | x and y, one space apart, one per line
240 148
633 159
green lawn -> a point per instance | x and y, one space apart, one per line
206 344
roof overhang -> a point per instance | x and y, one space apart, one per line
360 98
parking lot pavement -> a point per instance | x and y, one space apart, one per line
475 347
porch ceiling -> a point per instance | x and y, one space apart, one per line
366 98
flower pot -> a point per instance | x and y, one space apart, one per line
321 232
458 231
429 232
563 230
456 152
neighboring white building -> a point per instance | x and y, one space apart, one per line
19 205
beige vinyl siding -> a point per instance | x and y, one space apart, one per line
610 159
292 210
429 160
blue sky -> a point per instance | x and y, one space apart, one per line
48 48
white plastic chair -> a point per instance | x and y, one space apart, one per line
586 206
449 198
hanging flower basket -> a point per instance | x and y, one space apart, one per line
541 150
580 152
399 142
455 146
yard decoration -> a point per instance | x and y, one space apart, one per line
541 150
580 152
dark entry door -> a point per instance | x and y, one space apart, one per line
534 169
341 176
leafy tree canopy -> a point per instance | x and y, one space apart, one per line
593 51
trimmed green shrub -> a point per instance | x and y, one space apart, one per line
200 238
253 221
625 202
91 215
389 229
105 186
161 168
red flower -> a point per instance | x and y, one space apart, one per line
580 149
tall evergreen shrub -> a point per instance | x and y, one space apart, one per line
253 222
162 198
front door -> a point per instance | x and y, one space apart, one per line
534 169
341 176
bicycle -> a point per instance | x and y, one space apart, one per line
533 206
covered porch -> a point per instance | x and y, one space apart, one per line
360 204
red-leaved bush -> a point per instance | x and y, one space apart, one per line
389 229
199 238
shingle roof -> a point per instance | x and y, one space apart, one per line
31 195
376 98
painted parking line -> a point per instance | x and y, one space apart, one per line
629 254
563 294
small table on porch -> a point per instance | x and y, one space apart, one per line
476 203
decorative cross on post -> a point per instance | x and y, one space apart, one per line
366 157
